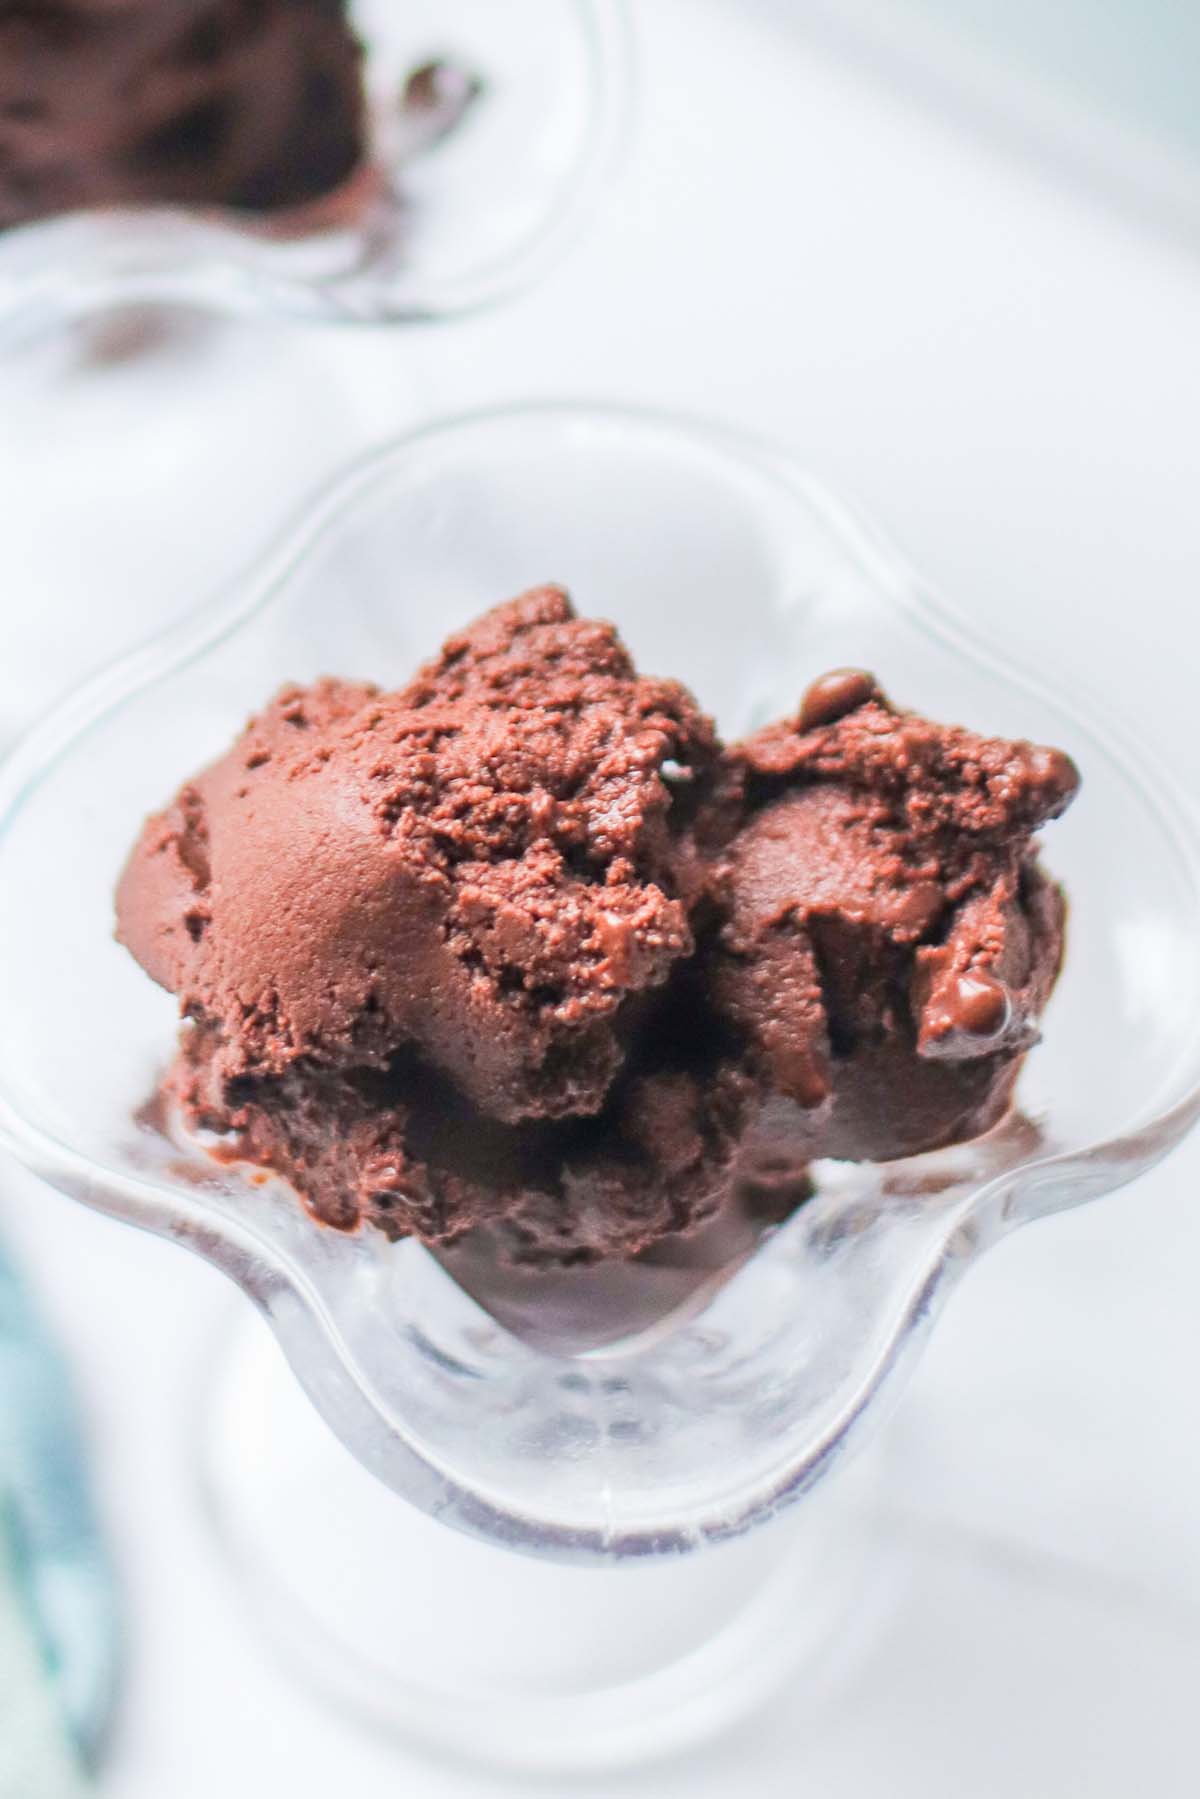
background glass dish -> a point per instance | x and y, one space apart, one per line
458 226
722 564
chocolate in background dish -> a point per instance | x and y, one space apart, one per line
256 105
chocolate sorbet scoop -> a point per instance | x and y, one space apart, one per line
492 867
890 940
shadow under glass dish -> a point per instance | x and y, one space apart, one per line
456 225
722 565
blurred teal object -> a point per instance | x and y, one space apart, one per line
37 1758
58 1613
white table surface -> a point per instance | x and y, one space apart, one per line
1009 379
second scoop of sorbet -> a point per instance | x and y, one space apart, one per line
889 938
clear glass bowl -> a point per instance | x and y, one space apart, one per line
722 564
453 228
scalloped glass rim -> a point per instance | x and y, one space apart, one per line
74 266
696 1433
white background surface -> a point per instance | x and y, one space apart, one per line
1009 379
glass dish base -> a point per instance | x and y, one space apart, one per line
461 1648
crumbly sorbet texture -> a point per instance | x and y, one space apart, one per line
522 945
888 939
250 104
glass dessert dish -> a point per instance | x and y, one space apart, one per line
440 218
731 1390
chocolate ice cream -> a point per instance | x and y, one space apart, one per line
521 946
250 104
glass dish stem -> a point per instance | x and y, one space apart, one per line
475 1651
